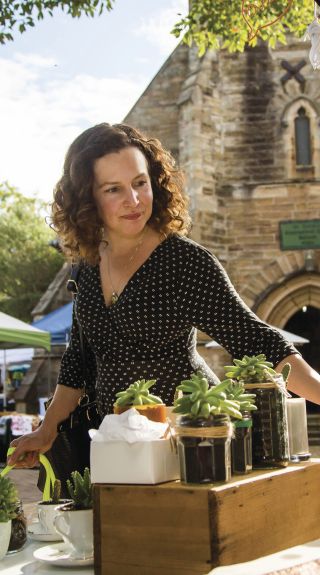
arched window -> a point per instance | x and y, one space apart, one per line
302 138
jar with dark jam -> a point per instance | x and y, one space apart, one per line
204 449
270 444
241 445
18 530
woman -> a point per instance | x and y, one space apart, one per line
144 287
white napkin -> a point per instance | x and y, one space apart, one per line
129 426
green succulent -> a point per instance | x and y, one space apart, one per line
199 400
56 491
138 394
236 392
8 499
285 372
252 369
80 489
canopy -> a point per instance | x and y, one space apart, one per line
18 356
58 323
16 333
291 337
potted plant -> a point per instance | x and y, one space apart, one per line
8 504
137 395
270 427
47 512
241 443
74 520
18 535
204 430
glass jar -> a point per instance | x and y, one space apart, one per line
270 444
204 449
18 530
298 429
241 445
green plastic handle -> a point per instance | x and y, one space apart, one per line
50 476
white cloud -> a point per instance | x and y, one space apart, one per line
35 60
42 112
157 28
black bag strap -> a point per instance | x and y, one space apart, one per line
72 285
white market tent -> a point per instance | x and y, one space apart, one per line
20 355
15 333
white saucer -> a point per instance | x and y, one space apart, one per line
35 532
60 554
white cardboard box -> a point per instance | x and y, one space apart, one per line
142 462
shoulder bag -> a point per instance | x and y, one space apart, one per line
71 448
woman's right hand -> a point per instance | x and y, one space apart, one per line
29 446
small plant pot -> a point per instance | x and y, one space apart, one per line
204 449
47 512
18 530
156 412
76 528
5 534
241 446
270 443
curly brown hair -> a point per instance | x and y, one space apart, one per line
74 213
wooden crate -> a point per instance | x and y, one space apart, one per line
176 529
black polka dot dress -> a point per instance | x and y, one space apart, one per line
151 331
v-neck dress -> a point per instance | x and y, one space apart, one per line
151 331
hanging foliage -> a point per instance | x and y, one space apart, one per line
233 25
209 24
260 14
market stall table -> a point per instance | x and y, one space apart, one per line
23 563
297 560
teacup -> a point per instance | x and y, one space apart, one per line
76 528
46 514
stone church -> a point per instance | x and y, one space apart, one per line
245 128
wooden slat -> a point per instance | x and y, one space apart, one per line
148 528
97 532
263 515
152 569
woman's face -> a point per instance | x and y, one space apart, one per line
122 191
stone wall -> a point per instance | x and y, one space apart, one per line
269 188
156 111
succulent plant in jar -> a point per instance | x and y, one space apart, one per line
270 446
204 430
241 443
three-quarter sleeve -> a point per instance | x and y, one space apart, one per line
213 306
72 372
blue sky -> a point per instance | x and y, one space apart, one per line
65 75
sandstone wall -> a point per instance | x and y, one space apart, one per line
156 112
